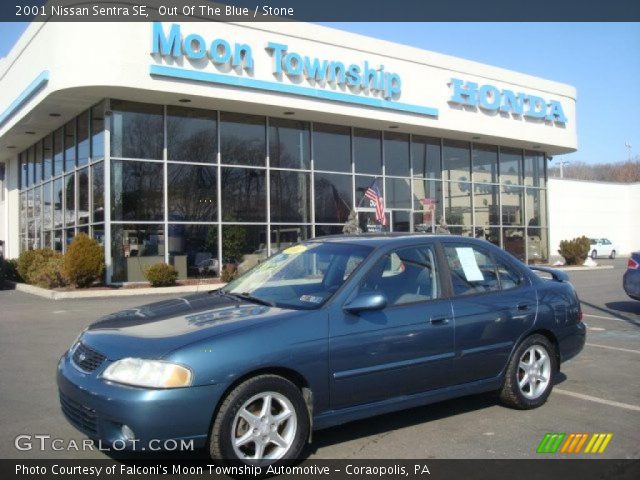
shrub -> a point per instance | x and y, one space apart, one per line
575 251
161 275
31 261
8 271
229 272
84 261
48 273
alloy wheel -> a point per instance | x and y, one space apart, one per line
534 372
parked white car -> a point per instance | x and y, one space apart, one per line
602 247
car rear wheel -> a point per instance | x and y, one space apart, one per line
613 254
594 254
529 377
263 421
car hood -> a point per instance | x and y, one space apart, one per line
154 330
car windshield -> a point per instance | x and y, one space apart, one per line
303 276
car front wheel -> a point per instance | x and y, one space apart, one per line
594 254
529 377
613 254
263 421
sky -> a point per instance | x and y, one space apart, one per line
602 60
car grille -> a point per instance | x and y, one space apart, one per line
84 418
87 359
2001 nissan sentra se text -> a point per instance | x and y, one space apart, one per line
325 332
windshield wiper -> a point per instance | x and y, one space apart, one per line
248 297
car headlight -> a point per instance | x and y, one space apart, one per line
148 373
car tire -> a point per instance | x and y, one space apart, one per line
247 400
526 385
613 255
594 254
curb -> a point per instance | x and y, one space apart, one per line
125 292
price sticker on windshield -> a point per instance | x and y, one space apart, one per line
295 250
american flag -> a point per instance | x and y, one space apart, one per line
373 193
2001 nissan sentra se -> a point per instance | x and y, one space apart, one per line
325 332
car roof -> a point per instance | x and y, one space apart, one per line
385 239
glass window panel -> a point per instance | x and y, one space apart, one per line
47 154
369 223
192 135
38 163
333 200
136 130
243 195
289 145
97 131
284 236
70 145
510 166
362 184
398 193
243 139
331 147
537 242
536 215
457 203
97 233
534 171
325 230
512 205
58 151
456 161
69 233
490 234
486 204
367 151
401 220
193 250
83 196
513 241
24 171
47 239
396 154
70 199
84 229
47 206
290 197
37 215
134 248
485 163
97 180
425 157
31 165
57 240
427 193
57 203
136 190
83 138
244 246
192 192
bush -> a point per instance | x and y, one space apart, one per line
8 271
229 272
31 262
161 275
48 273
84 261
575 251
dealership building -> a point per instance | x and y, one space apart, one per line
187 142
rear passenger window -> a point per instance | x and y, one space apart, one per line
472 271
404 276
509 278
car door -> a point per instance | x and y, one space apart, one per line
493 305
404 348
606 248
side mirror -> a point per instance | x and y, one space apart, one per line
366 302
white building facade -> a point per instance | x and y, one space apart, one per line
186 142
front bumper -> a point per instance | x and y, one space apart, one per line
99 409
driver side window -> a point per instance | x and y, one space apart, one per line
404 276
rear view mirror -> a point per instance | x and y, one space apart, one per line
366 302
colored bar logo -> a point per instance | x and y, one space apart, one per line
574 443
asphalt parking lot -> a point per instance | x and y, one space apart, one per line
599 391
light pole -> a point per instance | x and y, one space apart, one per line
562 164
628 147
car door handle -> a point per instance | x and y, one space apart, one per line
523 306
439 320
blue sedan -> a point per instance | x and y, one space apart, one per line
326 332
